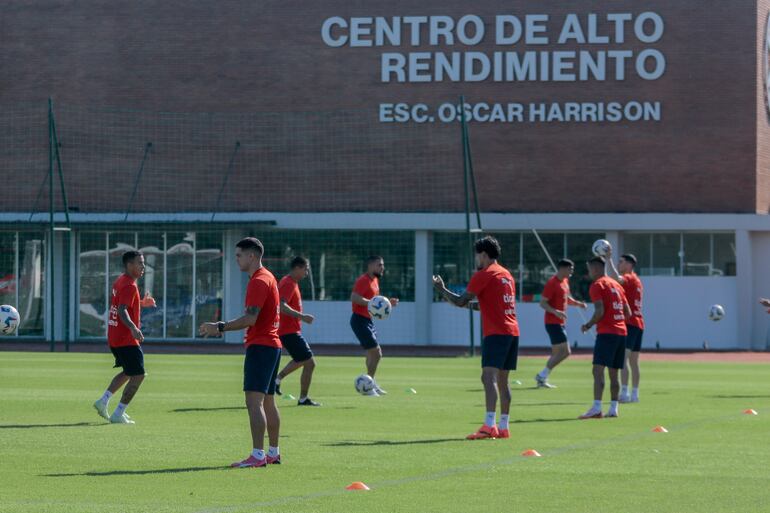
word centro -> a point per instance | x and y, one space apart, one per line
482 112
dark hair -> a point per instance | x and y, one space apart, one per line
298 261
129 256
628 257
565 262
251 244
597 261
488 245
373 258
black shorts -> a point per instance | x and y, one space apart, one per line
610 350
634 338
260 368
297 346
500 351
557 333
131 358
364 330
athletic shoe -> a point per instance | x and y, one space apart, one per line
634 399
379 390
612 414
592 414
543 382
101 409
484 432
503 433
251 461
121 419
308 402
274 461
278 389
624 398
372 393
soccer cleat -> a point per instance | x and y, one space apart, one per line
372 393
308 402
101 408
484 432
503 433
251 461
543 382
379 390
278 389
274 461
624 398
634 399
592 414
121 419
612 414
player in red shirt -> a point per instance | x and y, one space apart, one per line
366 287
124 337
611 311
634 290
263 351
495 289
290 330
554 300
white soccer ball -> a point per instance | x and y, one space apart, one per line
601 247
364 384
379 308
9 319
716 312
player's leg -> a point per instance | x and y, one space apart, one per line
603 353
260 367
272 417
624 395
494 350
633 362
617 363
302 355
290 367
373 357
308 367
101 405
504 389
132 358
559 352
289 342
366 334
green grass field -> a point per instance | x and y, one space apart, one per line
57 455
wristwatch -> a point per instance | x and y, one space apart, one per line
220 326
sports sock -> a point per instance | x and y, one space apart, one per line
273 452
302 399
545 372
597 405
635 393
258 453
503 421
278 380
120 410
624 390
613 406
489 421
106 396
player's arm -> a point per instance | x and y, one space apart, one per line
612 271
571 301
764 302
551 310
455 299
126 319
627 311
212 329
291 312
598 313
358 299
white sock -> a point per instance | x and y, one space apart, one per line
503 421
489 421
302 399
258 453
613 406
277 381
635 393
624 390
106 396
273 452
545 372
597 405
120 410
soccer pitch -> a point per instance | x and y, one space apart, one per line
57 455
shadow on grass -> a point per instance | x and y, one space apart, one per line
138 472
31 426
528 421
223 408
373 443
756 396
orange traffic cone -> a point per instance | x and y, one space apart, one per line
531 452
659 429
358 485
750 412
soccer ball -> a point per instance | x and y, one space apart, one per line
9 319
379 308
364 384
601 247
716 312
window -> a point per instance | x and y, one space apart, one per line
682 254
31 283
93 285
696 254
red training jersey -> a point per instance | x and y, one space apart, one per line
634 290
288 290
557 292
496 291
366 287
124 292
611 294
262 292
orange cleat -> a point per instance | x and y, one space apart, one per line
503 433
484 432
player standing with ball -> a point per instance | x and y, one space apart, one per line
495 289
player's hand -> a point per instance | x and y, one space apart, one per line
582 305
307 318
208 329
609 252
764 302
438 282
584 328
147 301
137 334
561 315
393 301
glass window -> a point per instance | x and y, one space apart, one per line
537 269
697 254
93 285
208 287
152 247
179 275
724 254
639 245
8 268
31 305
666 249
452 260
